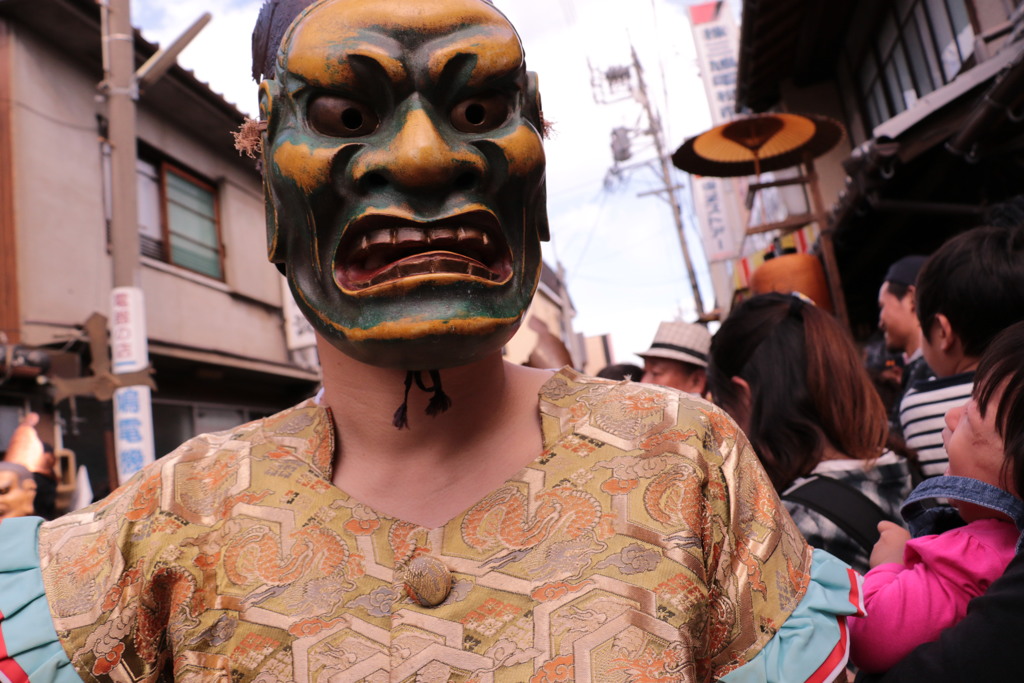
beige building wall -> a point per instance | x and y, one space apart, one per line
822 98
64 271
599 353
59 195
544 311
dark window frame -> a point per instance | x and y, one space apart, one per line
163 166
875 99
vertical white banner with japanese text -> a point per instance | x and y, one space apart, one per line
133 411
717 202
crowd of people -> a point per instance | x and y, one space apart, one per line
925 502
705 517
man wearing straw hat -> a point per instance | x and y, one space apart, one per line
678 357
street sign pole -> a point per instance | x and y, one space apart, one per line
133 412
133 415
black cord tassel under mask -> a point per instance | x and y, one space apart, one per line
439 402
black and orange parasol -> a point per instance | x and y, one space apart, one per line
757 144
760 143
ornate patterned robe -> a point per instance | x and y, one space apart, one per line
644 543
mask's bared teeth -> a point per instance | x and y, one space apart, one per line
476 270
379 237
456 266
388 250
384 277
403 235
441 234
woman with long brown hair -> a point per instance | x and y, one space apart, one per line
792 378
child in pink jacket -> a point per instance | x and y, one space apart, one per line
918 586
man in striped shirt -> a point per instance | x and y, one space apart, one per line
897 319
969 290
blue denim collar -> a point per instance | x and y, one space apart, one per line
922 516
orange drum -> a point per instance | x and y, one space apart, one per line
793 272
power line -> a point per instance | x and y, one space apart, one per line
48 117
608 86
593 231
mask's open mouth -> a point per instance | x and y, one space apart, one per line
378 249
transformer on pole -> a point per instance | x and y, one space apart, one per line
619 83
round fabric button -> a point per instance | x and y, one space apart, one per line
427 581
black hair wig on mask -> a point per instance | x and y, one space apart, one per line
274 19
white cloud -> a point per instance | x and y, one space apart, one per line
221 54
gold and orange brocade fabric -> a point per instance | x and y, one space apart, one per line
644 544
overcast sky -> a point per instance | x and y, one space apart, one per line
621 252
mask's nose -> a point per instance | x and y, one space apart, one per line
418 158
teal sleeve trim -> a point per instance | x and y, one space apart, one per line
29 647
813 645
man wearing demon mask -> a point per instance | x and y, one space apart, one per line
515 525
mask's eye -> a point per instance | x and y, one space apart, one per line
341 117
481 114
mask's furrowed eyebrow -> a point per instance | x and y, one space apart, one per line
369 69
340 68
456 71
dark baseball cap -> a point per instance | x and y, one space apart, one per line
904 271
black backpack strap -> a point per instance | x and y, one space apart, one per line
844 505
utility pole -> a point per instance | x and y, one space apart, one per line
121 91
133 411
617 77
120 88
666 175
